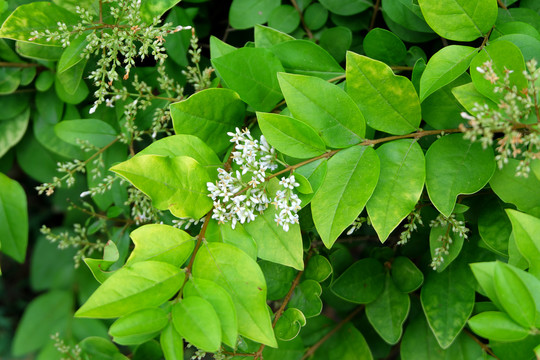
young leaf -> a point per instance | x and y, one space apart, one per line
495 325
139 326
444 67
13 219
388 102
527 236
209 123
456 166
275 244
131 288
400 185
100 267
244 281
222 303
196 320
289 324
160 242
174 183
361 283
290 136
460 20
251 72
351 178
388 312
94 131
171 343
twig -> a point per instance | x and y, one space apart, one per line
484 347
501 4
308 32
374 16
486 38
18 65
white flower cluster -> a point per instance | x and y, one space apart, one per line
239 194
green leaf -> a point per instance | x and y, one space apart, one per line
289 324
318 268
307 298
346 344
99 348
448 301
315 16
406 13
444 67
46 274
275 244
10 79
346 7
336 40
456 166
171 343
95 132
131 288
460 20
388 102
36 16
160 242
244 14
494 226
351 178
518 190
13 105
209 123
515 297
45 315
100 267
306 58
244 281
12 130
177 44
65 88
385 46
315 173
219 48
527 236
151 9
196 320
13 219
495 325
339 121
290 136
266 37
361 283
38 51
278 279
388 312
503 55
284 18
407 277
71 56
468 97
251 72
484 274
400 185
239 237
222 303
139 326
177 184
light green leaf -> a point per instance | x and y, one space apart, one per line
174 183
266 37
290 136
448 301
151 9
307 298
406 276
388 102
468 97
244 281
196 320
12 130
361 283
325 107
131 288
94 131
222 303
219 48
456 166
244 14
444 67
71 56
13 219
495 325
210 123
400 185
289 324
351 178
388 312
275 244
251 72
100 267
315 173
160 242
171 343
527 236
460 20
139 326
239 237
484 274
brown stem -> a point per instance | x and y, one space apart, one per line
101 216
484 347
18 65
405 68
486 38
101 11
374 16
314 348
501 4
308 32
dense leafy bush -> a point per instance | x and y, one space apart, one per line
355 180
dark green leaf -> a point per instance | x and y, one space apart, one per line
93 131
307 298
13 219
361 283
244 14
385 46
407 277
289 324
12 130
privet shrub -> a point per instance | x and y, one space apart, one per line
358 180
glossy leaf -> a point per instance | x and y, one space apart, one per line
12 130
460 20
444 67
174 183
346 344
289 324
244 14
346 7
527 236
307 298
456 166
407 277
468 97
385 46
361 283
400 185
93 131
13 219
318 268
139 326
284 18
278 279
171 343
290 136
339 122
151 9
196 320
484 274
351 178
100 267
158 242
131 288
495 325
266 37
244 281
389 102
336 40
98 347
